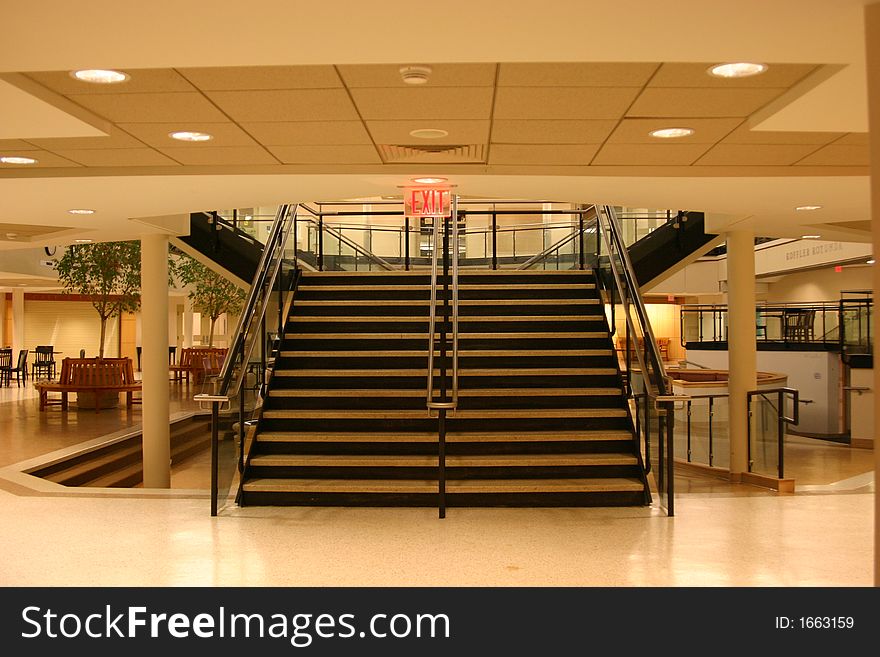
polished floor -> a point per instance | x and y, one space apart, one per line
722 535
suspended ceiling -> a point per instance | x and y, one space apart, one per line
550 100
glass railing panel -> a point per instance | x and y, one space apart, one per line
764 435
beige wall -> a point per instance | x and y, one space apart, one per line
820 284
69 326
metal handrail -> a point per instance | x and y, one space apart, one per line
573 235
349 242
453 403
278 235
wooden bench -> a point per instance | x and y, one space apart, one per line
94 375
198 362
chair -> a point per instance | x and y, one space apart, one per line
807 321
21 370
5 366
44 361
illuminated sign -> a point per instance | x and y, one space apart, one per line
427 202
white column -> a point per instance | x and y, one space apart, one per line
17 320
187 322
740 341
872 39
154 361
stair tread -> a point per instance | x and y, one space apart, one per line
462 352
461 335
424 320
463 302
512 371
586 485
428 461
463 414
452 436
463 286
470 392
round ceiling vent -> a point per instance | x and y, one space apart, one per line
415 74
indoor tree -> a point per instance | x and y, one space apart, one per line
109 273
211 294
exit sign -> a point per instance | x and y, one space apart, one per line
426 202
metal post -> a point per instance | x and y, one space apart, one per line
749 432
235 218
406 243
320 242
711 415
780 414
494 241
670 459
215 454
446 315
441 474
689 431
581 240
241 393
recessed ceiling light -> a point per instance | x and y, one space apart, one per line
671 133
808 208
81 211
810 237
429 133
429 180
83 241
15 159
415 74
100 76
248 217
186 135
870 262
737 70
11 236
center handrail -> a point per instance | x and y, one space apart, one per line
453 402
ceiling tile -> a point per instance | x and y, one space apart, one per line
695 75
560 131
326 154
649 154
706 131
289 105
663 102
142 80
151 108
156 134
839 155
756 154
562 102
442 75
460 132
16 145
118 157
559 74
298 133
220 156
853 139
116 139
45 159
743 135
262 77
565 154
424 103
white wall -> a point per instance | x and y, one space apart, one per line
69 326
862 406
815 374
819 285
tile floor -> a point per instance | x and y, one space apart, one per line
722 535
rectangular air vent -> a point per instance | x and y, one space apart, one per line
437 154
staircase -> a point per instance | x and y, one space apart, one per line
541 421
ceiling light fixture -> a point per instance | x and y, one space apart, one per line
81 211
415 74
737 70
429 180
100 76
15 159
186 135
671 133
808 208
83 241
870 262
429 133
810 237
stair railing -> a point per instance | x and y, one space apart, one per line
323 229
269 284
656 386
447 399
